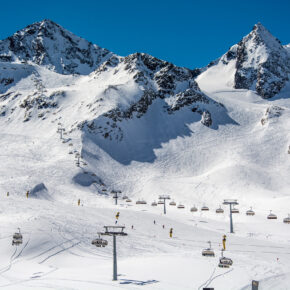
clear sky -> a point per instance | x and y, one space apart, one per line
187 33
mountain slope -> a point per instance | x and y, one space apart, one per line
148 127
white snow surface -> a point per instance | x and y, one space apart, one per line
238 157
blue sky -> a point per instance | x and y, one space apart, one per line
187 33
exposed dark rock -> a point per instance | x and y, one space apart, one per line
47 43
271 113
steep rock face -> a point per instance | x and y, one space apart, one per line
157 80
262 63
47 43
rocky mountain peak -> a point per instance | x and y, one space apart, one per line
47 43
262 63
260 35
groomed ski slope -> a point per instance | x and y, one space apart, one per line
57 253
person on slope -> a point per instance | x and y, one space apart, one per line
224 242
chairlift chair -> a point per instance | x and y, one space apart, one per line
250 212
225 262
271 216
140 201
193 209
204 208
154 203
128 200
160 202
173 203
181 206
219 210
99 242
235 210
287 219
125 197
208 252
17 238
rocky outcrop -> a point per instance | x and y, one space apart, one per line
272 112
262 63
47 43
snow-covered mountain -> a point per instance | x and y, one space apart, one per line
48 44
145 127
261 63
137 118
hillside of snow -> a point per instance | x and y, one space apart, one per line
145 127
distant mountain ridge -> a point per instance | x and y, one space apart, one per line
262 63
48 44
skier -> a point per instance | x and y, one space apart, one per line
170 232
27 193
7 193
163 226
79 202
224 242
154 222
117 215
132 227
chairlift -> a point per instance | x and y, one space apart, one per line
160 202
225 262
250 212
154 203
17 238
173 203
208 252
235 210
193 209
125 197
219 210
287 219
204 208
180 206
128 200
271 216
141 201
99 242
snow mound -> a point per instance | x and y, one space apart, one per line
40 191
